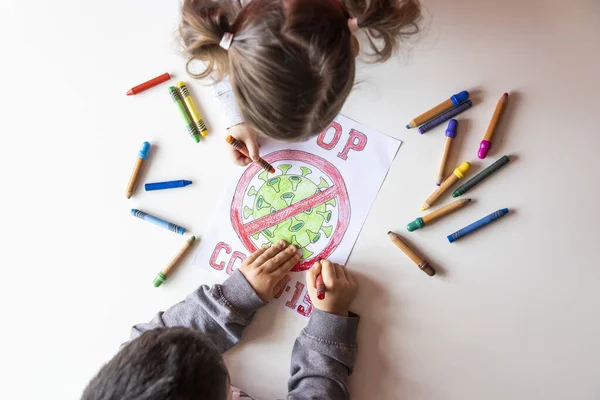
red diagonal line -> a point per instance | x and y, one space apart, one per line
273 219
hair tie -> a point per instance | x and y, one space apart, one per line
353 24
226 40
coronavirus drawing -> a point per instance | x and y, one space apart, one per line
305 203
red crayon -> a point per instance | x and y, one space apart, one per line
320 287
150 84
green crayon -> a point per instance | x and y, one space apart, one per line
471 183
190 125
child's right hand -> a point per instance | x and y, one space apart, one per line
341 287
244 133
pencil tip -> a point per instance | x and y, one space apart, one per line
130 93
505 94
407 127
128 195
389 232
422 209
468 200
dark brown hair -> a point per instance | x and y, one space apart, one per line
163 363
292 62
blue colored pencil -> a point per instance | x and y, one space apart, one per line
157 221
166 185
448 115
477 224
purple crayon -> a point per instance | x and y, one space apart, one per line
445 117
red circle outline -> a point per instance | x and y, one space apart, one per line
338 188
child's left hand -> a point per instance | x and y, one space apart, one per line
244 133
266 269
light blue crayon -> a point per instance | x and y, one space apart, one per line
158 221
166 185
477 224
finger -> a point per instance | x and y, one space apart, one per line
271 252
311 275
350 276
255 255
281 284
289 264
239 158
252 146
281 258
328 272
339 271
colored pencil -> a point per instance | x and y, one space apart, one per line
142 155
477 225
486 143
412 254
241 147
149 84
191 107
450 134
420 222
162 276
483 175
453 101
457 174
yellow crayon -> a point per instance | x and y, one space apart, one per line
191 107
458 173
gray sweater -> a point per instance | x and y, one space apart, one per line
323 355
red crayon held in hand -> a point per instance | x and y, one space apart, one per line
320 287
150 84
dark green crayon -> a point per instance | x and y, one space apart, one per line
190 125
471 183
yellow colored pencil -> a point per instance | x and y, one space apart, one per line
191 107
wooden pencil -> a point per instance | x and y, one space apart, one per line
450 134
412 254
457 174
486 143
453 101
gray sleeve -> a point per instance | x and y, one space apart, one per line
221 312
323 357
224 93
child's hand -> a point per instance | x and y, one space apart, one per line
341 287
244 133
266 269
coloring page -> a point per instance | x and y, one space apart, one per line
318 199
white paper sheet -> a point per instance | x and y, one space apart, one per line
318 199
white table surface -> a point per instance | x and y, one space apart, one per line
514 315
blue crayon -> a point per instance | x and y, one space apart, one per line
477 224
440 119
158 221
166 185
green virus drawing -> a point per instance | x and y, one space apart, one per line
282 191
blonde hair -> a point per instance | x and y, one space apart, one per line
291 63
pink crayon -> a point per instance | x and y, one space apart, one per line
486 143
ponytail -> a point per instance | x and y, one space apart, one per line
386 22
203 24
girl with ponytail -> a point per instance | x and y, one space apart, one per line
284 68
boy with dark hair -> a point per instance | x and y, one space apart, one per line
177 356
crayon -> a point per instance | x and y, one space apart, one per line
157 221
454 101
149 84
166 185
477 224
420 222
445 117
486 143
190 125
142 155
162 276
320 287
241 147
483 175
450 134
457 174
191 107
412 254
